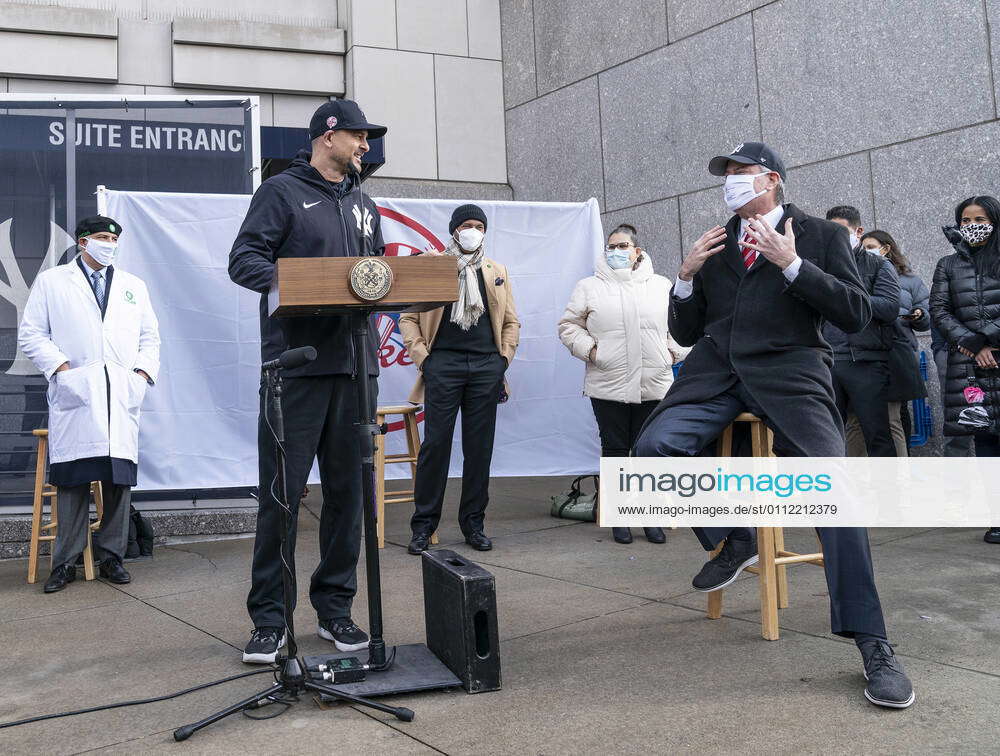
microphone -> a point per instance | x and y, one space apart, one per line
291 358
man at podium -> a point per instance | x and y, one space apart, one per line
312 209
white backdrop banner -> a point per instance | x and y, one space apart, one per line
198 427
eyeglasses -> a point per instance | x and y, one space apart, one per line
620 245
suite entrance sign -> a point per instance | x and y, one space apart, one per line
54 150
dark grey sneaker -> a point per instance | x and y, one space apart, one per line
992 535
738 552
346 636
264 644
888 684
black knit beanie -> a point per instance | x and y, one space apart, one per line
464 213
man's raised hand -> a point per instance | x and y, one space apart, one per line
709 243
778 248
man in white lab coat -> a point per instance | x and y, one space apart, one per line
91 331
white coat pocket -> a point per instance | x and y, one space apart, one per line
136 391
72 388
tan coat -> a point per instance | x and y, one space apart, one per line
419 329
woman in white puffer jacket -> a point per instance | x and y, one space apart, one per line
616 322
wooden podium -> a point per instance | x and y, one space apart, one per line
357 287
321 286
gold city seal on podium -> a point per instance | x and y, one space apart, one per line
371 278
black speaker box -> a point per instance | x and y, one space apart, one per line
460 612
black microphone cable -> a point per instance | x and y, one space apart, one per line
137 702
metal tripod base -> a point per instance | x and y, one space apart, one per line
292 681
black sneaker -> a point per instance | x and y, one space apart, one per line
264 644
888 684
737 554
346 636
992 535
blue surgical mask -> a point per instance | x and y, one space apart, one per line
617 259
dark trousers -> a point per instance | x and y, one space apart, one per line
987 445
619 423
471 382
686 429
320 415
73 511
861 388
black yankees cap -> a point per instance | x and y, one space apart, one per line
97 224
748 153
342 114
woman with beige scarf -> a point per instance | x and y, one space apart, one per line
462 352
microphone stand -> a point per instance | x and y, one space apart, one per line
290 677
367 430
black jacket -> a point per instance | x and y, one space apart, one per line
753 327
298 213
873 342
965 308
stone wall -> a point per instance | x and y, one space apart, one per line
890 106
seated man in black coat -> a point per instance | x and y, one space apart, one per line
751 298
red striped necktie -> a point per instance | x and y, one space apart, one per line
749 254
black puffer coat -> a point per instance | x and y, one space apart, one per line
965 300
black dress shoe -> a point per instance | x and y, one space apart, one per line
61 575
419 543
655 535
111 570
738 552
479 541
622 535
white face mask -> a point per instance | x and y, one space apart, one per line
103 252
470 239
854 238
874 250
738 190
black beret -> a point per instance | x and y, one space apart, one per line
97 224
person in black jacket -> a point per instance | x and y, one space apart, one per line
965 308
750 298
312 209
861 360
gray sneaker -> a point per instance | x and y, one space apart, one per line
888 684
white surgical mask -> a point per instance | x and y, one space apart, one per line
103 252
854 238
470 239
874 250
617 259
976 233
738 190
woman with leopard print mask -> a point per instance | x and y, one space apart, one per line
965 307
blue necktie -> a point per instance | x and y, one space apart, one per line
98 287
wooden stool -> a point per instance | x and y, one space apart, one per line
409 413
44 491
770 541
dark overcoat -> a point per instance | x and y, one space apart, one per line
753 327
